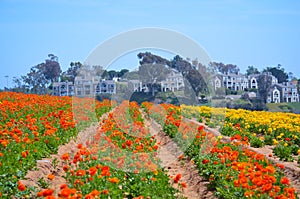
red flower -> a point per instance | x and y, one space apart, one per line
285 180
93 171
177 178
205 161
105 171
80 173
21 187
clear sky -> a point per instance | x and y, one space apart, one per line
260 33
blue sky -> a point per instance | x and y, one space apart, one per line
259 33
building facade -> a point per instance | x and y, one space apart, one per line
173 82
63 88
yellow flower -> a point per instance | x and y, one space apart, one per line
269 130
285 144
298 151
220 137
275 142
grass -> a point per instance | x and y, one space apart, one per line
284 107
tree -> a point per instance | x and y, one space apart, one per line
195 79
224 68
132 75
148 58
112 74
51 68
122 72
35 81
278 72
264 85
251 71
151 74
71 72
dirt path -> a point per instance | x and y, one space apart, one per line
291 170
168 153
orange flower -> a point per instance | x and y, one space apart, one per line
105 191
80 173
65 192
24 154
65 156
51 176
113 180
183 184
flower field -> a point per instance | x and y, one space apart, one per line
233 171
120 159
280 130
33 127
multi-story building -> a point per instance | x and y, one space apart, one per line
173 82
239 82
253 80
85 84
235 82
289 92
63 88
274 95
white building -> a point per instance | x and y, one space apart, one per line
63 88
274 95
174 82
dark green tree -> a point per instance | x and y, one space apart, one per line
251 70
71 72
278 72
51 68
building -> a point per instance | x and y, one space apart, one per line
173 82
289 92
253 80
274 95
234 82
63 88
106 86
85 84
